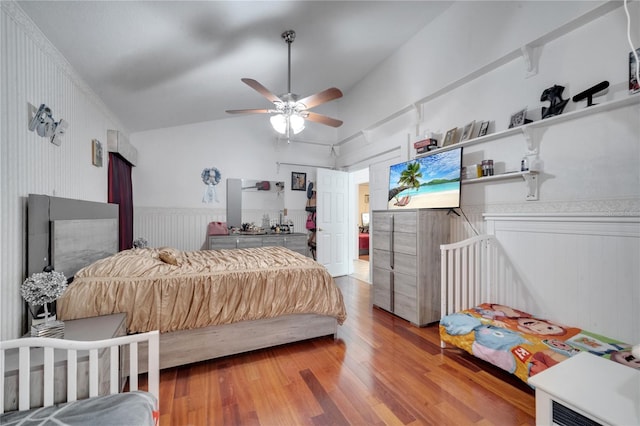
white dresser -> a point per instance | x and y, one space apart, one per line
406 262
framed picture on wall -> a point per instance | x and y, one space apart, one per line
298 181
96 153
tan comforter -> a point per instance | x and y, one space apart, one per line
168 290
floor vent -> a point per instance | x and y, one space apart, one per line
564 416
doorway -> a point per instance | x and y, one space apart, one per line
361 214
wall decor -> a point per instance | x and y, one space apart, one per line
591 92
210 177
450 137
467 131
44 125
298 181
484 128
96 153
554 95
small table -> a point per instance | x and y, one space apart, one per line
594 387
85 329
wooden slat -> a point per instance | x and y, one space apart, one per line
72 374
23 381
114 364
48 376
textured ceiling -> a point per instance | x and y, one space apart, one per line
158 64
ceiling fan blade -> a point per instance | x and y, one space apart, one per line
261 89
319 118
321 97
248 111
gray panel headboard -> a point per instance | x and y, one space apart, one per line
43 210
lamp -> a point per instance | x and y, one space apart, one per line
281 123
289 115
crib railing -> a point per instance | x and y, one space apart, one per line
73 350
467 274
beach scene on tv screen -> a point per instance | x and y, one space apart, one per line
426 182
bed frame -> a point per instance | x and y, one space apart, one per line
573 269
33 388
185 346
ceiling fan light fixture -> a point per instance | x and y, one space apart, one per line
282 122
297 123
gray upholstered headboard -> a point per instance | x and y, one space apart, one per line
69 234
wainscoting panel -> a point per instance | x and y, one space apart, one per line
186 229
575 269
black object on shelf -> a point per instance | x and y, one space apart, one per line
590 92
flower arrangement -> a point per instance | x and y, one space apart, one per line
140 242
43 287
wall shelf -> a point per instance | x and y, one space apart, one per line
525 129
530 177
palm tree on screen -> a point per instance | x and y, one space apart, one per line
409 178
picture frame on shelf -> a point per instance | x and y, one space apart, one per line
298 181
450 137
467 131
634 84
484 128
518 118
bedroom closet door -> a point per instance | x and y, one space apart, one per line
332 189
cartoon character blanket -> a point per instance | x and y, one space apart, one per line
524 345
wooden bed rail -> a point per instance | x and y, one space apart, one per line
26 345
468 273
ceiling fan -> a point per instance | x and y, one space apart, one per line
289 111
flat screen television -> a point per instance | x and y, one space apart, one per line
431 182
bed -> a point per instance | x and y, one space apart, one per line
39 384
70 229
477 319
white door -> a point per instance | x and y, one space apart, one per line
332 218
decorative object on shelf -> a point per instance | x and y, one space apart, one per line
40 289
519 118
467 131
554 95
484 128
140 242
634 79
298 181
425 145
450 137
524 164
96 153
591 92
210 177
44 125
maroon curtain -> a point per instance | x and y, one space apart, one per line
121 193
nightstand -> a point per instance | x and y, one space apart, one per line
87 329
587 388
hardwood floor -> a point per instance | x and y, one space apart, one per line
380 371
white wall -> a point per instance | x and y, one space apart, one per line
589 163
167 182
34 72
